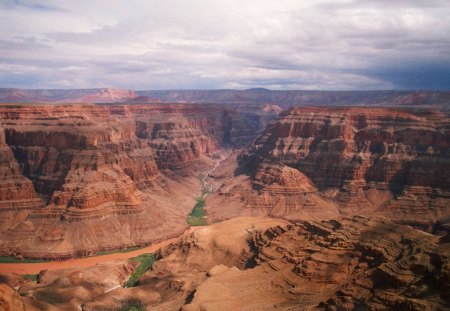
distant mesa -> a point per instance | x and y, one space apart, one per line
256 89
284 99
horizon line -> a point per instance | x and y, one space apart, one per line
225 89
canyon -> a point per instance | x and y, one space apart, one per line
73 174
327 208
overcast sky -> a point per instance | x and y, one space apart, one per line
211 44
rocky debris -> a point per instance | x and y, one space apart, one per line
182 266
70 289
358 262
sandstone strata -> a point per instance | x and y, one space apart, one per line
81 178
385 161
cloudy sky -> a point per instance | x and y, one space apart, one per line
211 44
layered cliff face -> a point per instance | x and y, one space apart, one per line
286 192
87 166
391 162
17 194
104 167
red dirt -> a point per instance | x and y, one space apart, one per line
34 268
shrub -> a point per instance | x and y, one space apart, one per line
146 262
195 218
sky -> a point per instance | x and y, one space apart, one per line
217 44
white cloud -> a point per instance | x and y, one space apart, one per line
213 44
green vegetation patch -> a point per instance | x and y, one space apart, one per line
196 217
11 259
33 277
146 262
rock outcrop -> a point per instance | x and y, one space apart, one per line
10 299
286 192
17 194
385 161
68 289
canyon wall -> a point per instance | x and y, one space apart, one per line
80 178
393 162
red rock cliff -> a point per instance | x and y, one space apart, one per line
65 166
391 161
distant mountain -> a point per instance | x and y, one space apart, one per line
255 96
305 98
104 95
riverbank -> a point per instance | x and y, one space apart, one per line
34 268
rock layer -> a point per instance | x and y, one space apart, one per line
392 162
80 178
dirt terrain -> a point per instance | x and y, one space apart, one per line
85 262
260 263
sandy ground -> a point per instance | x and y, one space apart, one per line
34 268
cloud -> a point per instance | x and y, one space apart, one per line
338 45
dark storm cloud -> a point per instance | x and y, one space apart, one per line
285 44
414 75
